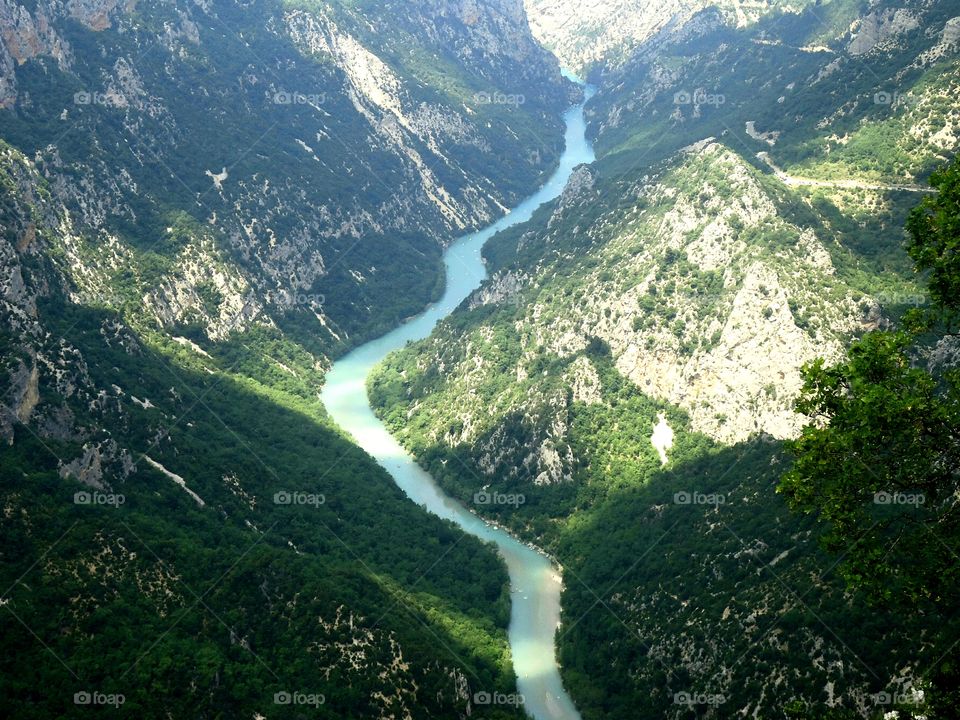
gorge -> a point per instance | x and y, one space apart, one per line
535 580
357 361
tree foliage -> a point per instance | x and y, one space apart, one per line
934 244
880 460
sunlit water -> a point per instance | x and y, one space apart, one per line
534 581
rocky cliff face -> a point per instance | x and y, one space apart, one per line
337 91
801 87
226 168
607 32
719 334
709 296
583 35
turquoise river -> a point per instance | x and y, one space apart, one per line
535 581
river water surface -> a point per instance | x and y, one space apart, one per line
534 581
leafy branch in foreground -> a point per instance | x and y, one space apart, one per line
880 460
934 245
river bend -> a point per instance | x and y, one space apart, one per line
535 581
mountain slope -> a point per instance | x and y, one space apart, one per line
300 134
825 107
206 538
200 204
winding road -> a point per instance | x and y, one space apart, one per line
794 181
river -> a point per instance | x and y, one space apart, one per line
535 581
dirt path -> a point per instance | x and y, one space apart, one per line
794 181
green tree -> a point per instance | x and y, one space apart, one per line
880 460
934 245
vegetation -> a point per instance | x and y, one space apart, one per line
834 116
127 272
878 464
738 598
691 589
215 609
659 594
147 157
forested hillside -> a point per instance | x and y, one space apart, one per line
201 204
632 365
